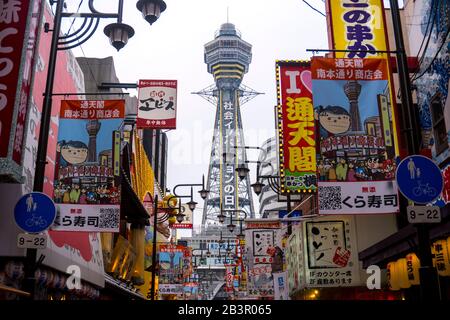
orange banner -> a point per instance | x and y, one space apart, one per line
349 69
92 109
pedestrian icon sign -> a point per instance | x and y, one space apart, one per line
419 179
35 212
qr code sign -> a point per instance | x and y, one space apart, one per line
109 218
330 198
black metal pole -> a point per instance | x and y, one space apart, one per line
155 222
428 276
41 159
289 208
47 107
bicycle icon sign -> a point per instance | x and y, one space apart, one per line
419 179
35 212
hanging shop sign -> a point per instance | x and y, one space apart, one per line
20 21
356 157
262 239
441 257
331 254
296 127
157 104
87 173
171 269
280 286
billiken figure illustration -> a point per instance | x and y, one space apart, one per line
333 120
72 152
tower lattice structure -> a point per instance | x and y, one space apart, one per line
228 58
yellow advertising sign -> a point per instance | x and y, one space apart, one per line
359 26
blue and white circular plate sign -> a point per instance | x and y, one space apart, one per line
419 179
35 212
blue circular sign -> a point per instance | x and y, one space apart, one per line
419 179
35 212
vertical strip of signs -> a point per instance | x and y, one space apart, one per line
297 130
87 188
157 104
359 26
356 167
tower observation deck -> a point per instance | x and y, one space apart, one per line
228 58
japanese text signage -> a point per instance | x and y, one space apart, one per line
296 127
171 258
87 173
330 253
358 26
262 238
356 152
19 22
157 104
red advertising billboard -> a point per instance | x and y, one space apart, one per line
296 127
19 22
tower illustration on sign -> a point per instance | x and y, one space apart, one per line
228 58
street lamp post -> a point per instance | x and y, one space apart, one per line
118 33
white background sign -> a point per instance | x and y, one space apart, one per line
424 214
32 241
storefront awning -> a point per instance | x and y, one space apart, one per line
403 242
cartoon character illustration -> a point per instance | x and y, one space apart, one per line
341 170
333 120
72 152
75 193
351 174
332 172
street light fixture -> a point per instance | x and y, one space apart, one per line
221 217
257 187
151 9
242 171
118 34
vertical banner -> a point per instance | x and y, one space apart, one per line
331 253
19 24
280 286
296 127
157 104
87 188
356 157
171 279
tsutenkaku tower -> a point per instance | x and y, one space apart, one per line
228 58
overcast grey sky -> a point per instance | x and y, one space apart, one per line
172 48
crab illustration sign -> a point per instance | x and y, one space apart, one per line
35 212
419 179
